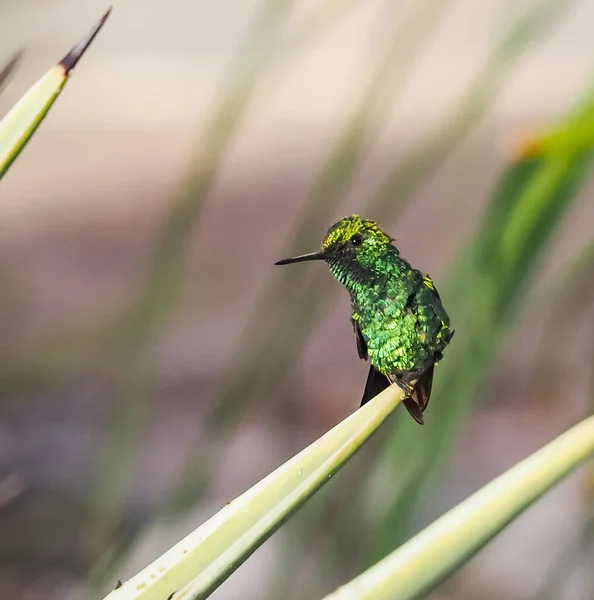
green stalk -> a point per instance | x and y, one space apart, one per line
206 557
426 560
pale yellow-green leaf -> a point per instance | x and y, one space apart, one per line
212 552
418 566
19 125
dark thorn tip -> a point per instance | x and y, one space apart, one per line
71 59
119 584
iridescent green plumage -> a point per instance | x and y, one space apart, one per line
399 320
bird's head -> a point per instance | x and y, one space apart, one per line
350 244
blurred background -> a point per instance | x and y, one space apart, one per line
154 364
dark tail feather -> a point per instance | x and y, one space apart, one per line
415 404
423 388
376 383
421 393
414 409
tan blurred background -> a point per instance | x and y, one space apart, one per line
81 212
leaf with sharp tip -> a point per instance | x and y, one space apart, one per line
19 125
421 564
206 557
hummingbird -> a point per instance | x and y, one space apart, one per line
400 324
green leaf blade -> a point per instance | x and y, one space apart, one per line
421 564
206 557
19 125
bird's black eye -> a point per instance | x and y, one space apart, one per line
356 240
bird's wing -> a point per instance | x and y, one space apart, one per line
430 297
361 344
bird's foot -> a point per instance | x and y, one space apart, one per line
406 387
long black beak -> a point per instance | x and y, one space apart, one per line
302 258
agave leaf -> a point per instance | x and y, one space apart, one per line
206 557
418 566
19 125
9 68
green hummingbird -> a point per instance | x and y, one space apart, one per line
400 324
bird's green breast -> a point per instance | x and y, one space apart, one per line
400 316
